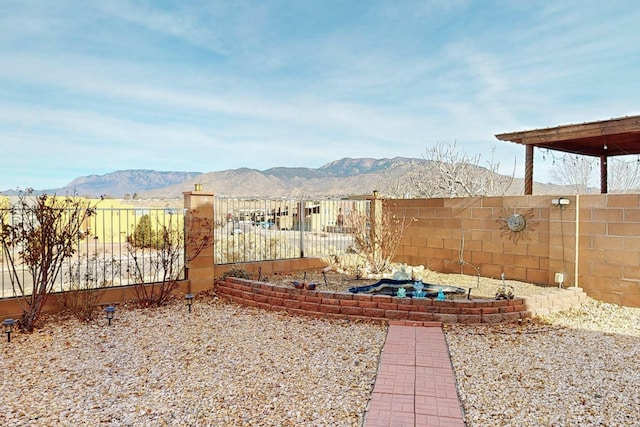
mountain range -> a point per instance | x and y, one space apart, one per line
340 178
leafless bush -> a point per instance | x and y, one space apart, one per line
38 234
377 235
158 270
88 279
625 175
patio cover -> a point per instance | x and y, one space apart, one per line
603 139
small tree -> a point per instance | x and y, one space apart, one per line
158 269
144 236
40 233
451 172
576 172
377 235
624 175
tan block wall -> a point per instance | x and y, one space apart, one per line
607 249
435 240
609 261
268 268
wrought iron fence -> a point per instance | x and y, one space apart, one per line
115 247
249 230
120 246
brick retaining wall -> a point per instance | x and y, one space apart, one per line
341 305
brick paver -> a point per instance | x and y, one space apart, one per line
415 386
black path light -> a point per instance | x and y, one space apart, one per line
110 310
7 324
189 298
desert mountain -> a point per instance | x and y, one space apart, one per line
340 178
119 183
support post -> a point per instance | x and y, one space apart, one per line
604 185
528 170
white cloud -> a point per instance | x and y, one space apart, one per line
299 84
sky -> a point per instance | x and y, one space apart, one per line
200 86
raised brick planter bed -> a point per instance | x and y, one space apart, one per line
338 305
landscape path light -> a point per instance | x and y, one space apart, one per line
110 310
7 324
189 298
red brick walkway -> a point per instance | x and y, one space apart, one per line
415 385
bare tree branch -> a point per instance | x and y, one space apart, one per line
451 172
577 172
624 176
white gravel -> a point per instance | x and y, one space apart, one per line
229 365
220 365
580 367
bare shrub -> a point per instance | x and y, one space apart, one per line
157 270
236 272
624 175
377 234
577 172
88 279
39 233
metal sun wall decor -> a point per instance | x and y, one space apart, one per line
516 223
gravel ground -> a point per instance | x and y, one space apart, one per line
220 365
580 367
236 366
338 281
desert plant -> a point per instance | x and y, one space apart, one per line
157 270
377 235
88 279
40 233
236 272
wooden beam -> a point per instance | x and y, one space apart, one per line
622 136
571 132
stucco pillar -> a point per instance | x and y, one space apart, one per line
199 218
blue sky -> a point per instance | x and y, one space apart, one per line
95 87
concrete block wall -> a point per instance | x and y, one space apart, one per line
594 241
475 228
609 247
